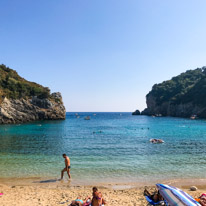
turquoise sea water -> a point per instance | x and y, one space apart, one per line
111 147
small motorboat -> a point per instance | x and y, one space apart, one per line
193 117
158 115
156 141
87 118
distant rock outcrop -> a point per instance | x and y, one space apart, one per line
137 112
24 101
145 112
182 96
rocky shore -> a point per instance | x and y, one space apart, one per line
182 96
25 101
174 110
14 111
136 112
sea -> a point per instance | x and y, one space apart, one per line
109 148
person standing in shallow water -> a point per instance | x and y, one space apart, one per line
67 166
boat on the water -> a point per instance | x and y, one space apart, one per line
156 141
87 118
193 117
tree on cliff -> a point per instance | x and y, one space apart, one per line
13 86
183 95
186 87
25 101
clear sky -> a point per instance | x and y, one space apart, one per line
102 55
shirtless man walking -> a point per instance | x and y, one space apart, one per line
67 166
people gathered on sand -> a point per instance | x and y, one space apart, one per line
67 166
96 200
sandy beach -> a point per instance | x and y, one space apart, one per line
48 193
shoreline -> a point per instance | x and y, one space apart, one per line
24 192
55 182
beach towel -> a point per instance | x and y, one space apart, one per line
87 204
151 202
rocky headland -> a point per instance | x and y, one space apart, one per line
24 101
182 96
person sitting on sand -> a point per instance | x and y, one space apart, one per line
202 199
100 199
67 166
156 196
97 199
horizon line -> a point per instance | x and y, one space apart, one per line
97 112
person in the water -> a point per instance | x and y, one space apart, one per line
67 166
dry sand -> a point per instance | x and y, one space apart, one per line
25 193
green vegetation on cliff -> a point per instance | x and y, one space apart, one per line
13 86
186 87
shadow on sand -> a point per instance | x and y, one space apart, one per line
47 181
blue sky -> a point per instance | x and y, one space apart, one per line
102 55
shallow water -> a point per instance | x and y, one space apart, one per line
111 147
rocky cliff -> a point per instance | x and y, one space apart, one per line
24 101
182 96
